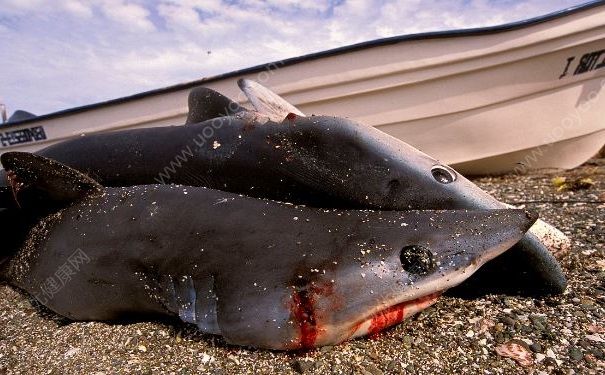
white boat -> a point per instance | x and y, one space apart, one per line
509 98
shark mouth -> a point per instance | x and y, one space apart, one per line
392 315
313 332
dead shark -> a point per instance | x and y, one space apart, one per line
257 272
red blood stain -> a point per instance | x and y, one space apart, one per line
303 308
394 314
385 319
303 311
291 116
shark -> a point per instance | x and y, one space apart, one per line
257 272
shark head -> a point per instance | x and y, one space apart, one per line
412 277
371 169
391 265
395 174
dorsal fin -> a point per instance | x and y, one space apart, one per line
35 180
206 104
266 101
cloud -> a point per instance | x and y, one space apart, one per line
129 15
67 53
77 8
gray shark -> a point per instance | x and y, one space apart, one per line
258 272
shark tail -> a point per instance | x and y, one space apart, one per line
32 188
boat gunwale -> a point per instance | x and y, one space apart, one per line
487 30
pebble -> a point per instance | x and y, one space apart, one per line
302 366
536 348
373 355
595 338
598 353
407 341
584 344
391 366
575 353
71 352
509 321
373 369
550 353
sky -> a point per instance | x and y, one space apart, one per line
58 54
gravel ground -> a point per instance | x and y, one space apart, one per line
563 334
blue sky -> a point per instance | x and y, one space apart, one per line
64 53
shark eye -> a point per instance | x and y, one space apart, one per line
417 260
443 175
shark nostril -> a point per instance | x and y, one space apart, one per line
417 260
443 175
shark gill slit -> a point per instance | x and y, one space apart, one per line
186 298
